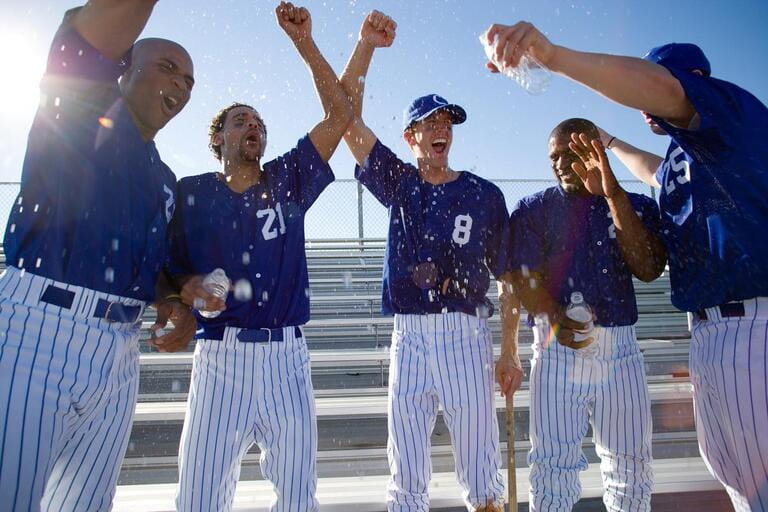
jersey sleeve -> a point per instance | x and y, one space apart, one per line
719 112
308 175
497 255
177 261
527 245
381 172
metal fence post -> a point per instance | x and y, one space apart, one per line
360 232
653 192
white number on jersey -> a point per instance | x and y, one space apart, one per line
675 168
267 230
462 229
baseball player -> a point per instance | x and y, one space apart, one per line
713 180
447 232
83 266
251 373
586 235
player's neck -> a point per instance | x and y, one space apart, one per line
435 174
240 178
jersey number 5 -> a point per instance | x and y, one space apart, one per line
462 228
268 231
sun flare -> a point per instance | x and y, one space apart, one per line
22 61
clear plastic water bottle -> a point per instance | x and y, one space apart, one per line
529 73
216 283
580 311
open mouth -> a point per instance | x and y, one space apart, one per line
170 103
252 141
440 145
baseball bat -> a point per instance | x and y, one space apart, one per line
511 469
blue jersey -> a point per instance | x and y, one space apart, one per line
571 241
95 198
257 237
714 190
460 226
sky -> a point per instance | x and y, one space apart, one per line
240 54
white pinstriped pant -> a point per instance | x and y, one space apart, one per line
241 393
730 384
444 359
68 387
608 391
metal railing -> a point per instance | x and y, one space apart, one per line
347 210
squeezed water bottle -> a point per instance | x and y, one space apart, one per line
529 73
580 311
216 283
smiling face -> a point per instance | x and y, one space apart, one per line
242 137
431 138
561 157
158 84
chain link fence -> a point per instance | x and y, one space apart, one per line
347 210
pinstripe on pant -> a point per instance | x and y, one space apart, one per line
570 392
730 384
68 387
442 359
241 393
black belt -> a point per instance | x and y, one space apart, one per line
109 311
262 335
728 310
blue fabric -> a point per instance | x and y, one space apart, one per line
424 106
714 185
95 199
257 237
431 223
570 240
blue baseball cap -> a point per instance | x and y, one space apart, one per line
683 56
425 106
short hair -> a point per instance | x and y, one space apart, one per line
575 125
217 124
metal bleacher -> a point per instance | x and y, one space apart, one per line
348 341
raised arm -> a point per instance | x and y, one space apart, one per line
297 24
643 252
377 31
641 164
630 81
112 26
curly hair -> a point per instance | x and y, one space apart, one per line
217 124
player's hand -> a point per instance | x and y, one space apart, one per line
194 295
593 168
565 332
184 326
378 30
515 40
509 373
295 21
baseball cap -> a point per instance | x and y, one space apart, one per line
423 107
683 56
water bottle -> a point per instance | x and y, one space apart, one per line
216 283
580 311
529 73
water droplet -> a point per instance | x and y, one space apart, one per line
115 244
175 386
38 262
190 200
246 258
109 275
243 291
37 207
21 263
56 101
12 228
265 296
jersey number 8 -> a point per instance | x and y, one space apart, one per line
462 229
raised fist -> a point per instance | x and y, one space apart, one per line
378 30
295 21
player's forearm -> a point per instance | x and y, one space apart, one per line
332 95
534 297
510 317
642 164
643 252
633 82
353 77
112 26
